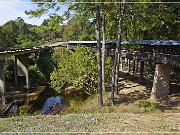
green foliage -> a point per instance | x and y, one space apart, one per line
9 69
149 107
27 40
3 41
79 28
35 75
18 34
77 68
50 29
45 63
9 72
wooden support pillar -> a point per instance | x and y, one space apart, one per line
141 71
134 67
149 67
68 46
137 65
2 82
121 63
36 56
125 62
21 70
129 65
161 81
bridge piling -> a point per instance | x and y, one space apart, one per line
2 82
141 71
161 81
134 67
129 65
21 70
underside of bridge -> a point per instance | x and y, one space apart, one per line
21 77
164 58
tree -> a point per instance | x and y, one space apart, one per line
103 47
78 71
99 55
79 28
117 55
3 41
10 29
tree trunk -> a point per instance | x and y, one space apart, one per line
117 74
117 56
99 56
103 47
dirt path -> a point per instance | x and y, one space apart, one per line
131 88
95 123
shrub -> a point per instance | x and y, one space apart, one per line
149 107
9 69
78 68
35 75
45 63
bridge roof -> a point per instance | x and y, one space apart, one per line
17 51
141 42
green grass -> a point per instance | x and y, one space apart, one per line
99 122
123 105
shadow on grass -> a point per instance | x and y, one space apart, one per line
173 99
39 102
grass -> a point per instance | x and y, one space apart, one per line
123 105
95 123
133 116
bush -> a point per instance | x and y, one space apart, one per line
35 75
9 72
149 107
45 63
78 69
9 68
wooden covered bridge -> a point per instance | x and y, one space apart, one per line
164 53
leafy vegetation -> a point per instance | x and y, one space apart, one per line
35 75
78 69
149 107
18 34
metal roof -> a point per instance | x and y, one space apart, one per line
141 42
18 51
8 53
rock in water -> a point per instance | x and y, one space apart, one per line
13 109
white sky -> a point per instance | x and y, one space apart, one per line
11 9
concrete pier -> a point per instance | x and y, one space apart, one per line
21 70
2 82
161 81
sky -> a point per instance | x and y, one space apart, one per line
11 9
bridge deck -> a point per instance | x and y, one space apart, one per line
163 51
18 51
